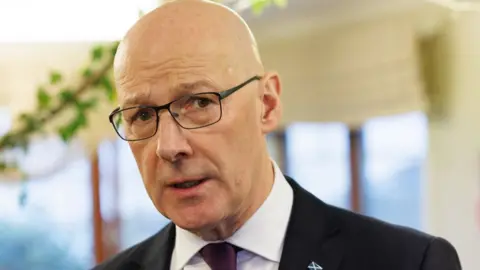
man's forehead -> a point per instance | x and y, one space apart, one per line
174 73
188 27
169 59
184 39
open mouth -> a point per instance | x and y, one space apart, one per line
189 184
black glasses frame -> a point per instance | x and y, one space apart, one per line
221 95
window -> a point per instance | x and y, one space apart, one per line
52 227
317 157
69 20
395 151
139 218
276 149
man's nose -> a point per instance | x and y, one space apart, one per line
172 145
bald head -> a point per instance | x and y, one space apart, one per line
200 60
181 29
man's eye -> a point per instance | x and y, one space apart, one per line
196 102
201 102
143 115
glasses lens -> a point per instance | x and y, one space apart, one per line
195 111
135 123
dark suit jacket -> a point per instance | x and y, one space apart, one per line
335 239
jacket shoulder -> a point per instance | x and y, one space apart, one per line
384 245
123 260
155 250
362 227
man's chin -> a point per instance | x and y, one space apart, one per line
196 217
194 225
208 231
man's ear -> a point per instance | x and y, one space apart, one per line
271 103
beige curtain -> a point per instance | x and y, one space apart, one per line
350 73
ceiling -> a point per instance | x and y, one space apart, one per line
305 15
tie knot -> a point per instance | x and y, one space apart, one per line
220 256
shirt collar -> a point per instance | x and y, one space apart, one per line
263 234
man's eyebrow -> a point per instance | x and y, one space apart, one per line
178 91
135 99
187 88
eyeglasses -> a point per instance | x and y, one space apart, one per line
190 112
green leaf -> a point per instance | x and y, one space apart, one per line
115 48
281 3
68 131
87 73
112 96
65 133
118 121
23 116
87 104
7 141
97 53
107 85
55 77
259 5
66 95
80 121
30 122
43 98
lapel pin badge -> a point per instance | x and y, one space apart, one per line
314 266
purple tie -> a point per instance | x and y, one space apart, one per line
220 256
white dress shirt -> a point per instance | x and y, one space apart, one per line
261 237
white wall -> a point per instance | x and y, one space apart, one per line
453 186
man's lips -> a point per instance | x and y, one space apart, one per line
186 183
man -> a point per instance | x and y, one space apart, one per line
195 106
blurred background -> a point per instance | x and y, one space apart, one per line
380 104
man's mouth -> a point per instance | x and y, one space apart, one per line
189 184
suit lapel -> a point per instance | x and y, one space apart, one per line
158 254
313 235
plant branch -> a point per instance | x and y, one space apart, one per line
33 122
